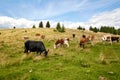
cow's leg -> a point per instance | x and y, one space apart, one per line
26 51
92 43
55 46
117 40
40 53
83 46
37 52
67 44
110 41
80 44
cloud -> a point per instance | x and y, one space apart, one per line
8 22
108 18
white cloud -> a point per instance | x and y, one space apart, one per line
8 22
110 18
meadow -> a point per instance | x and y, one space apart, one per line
99 62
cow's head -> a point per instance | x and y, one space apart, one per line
46 52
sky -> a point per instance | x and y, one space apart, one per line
71 13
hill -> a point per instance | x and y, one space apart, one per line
73 63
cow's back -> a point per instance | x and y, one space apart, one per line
34 45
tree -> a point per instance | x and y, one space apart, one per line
47 24
79 28
58 27
63 28
33 26
95 29
41 24
118 31
14 27
108 29
91 29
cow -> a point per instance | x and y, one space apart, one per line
37 34
26 37
84 40
73 35
61 42
35 46
42 36
110 38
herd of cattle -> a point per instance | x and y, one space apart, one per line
38 46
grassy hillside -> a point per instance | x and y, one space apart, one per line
73 63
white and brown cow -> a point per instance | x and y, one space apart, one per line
61 42
110 38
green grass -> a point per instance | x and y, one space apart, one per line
73 63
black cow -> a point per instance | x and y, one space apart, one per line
35 46
73 35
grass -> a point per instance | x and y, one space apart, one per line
73 63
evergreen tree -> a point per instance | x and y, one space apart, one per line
41 24
83 28
91 29
63 28
79 28
58 27
95 29
33 26
14 27
118 31
47 24
108 29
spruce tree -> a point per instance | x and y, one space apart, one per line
47 24
58 27
62 28
33 26
41 24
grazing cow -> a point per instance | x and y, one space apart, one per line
110 38
84 40
61 42
35 46
37 34
42 36
26 37
73 35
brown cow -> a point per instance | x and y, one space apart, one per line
42 36
37 34
26 37
84 40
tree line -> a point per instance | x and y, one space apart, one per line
59 28
105 29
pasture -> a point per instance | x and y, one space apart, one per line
100 62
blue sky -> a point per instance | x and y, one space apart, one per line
76 11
